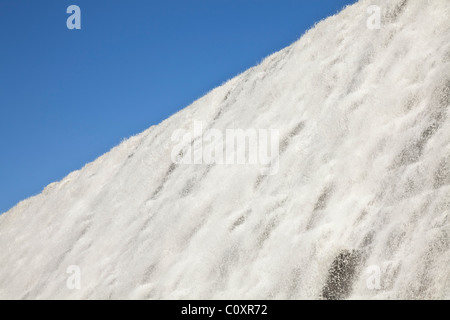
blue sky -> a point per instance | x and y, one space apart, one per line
68 96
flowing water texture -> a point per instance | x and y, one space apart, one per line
359 207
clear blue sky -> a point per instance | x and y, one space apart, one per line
68 96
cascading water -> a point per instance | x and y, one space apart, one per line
358 207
